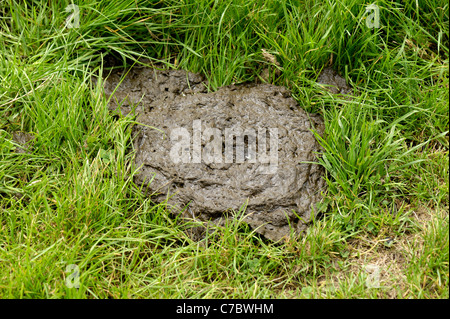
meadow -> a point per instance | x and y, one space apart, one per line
69 204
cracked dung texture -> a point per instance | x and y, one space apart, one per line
174 99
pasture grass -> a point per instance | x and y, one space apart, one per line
383 227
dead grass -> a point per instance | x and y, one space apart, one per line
391 257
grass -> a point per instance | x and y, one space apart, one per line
72 200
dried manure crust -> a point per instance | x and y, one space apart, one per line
281 189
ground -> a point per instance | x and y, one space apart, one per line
70 212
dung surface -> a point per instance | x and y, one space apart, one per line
334 83
215 152
24 141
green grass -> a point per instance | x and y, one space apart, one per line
72 200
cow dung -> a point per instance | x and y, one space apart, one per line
210 153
